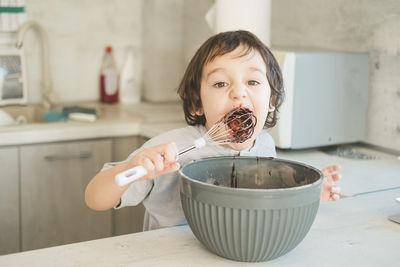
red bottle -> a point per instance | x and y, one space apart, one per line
109 78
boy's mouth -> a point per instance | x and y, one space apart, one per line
240 124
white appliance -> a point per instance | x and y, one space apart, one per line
326 97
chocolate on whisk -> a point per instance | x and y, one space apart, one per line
240 123
236 126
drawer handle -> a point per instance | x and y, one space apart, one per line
82 155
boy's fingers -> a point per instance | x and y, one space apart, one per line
162 148
164 155
335 197
156 159
171 168
335 189
330 193
147 164
336 177
174 147
171 152
332 178
325 196
328 170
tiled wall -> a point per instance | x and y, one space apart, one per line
78 32
162 48
196 30
172 32
355 26
166 32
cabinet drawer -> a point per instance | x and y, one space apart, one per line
9 201
53 182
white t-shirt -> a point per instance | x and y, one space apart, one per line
161 196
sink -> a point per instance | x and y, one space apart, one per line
32 113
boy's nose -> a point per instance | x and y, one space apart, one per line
238 92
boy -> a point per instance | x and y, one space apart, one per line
229 70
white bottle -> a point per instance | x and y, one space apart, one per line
130 92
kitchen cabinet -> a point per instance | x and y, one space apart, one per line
9 201
129 219
42 194
53 181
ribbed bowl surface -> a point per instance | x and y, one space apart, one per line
268 215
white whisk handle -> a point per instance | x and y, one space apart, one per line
199 143
130 175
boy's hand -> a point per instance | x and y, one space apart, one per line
157 160
330 192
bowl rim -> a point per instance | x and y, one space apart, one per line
260 190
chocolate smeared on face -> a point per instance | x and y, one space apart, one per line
240 124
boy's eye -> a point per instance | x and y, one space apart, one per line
252 82
220 84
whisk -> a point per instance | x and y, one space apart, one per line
236 126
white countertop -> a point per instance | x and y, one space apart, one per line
352 232
359 176
146 119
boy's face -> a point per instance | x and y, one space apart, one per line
234 80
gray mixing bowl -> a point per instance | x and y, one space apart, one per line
266 216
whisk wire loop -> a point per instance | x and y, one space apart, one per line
236 126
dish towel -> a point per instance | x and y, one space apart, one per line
12 14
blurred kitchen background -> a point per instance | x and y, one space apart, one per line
164 35
167 33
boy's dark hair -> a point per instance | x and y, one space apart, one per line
218 45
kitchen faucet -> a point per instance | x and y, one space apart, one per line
46 87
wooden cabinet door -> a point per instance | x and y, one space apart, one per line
129 219
9 201
53 182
